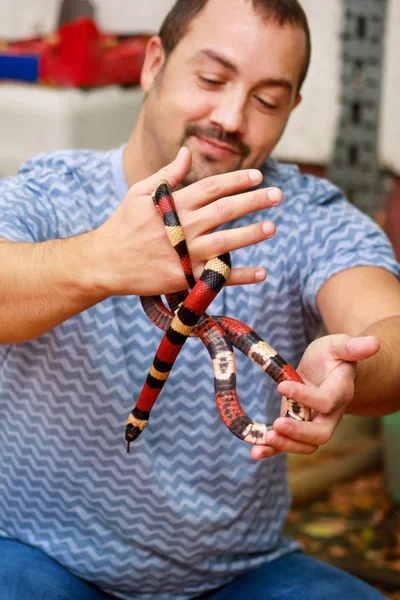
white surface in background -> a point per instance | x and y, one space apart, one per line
36 119
126 16
310 134
389 142
27 18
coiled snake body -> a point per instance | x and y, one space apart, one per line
187 317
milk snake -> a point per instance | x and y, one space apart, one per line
187 317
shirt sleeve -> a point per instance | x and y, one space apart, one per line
26 213
334 236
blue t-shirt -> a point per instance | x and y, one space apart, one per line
188 509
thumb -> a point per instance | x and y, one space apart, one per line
358 348
174 173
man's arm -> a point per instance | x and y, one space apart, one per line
377 384
43 284
365 301
355 368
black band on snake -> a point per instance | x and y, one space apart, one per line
187 317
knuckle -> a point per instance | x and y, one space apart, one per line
276 442
348 397
328 406
211 185
331 405
241 178
324 438
224 209
259 197
218 244
164 172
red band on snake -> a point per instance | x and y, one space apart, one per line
218 333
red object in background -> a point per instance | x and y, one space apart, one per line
393 218
79 55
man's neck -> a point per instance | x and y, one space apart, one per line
137 156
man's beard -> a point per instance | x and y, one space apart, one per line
199 171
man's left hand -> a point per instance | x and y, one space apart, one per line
328 368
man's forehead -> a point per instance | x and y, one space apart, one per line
240 25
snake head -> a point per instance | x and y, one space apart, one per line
135 424
132 432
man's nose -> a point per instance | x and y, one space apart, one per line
230 113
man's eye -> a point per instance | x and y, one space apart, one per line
266 104
211 82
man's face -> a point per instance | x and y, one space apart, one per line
226 91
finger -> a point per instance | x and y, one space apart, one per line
204 191
219 242
280 443
230 208
259 452
353 349
314 433
246 276
174 173
324 399
362 347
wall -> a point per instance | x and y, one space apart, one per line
19 18
310 135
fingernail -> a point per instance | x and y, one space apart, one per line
268 229
260 275
275 195
255 176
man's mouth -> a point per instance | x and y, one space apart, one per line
215 147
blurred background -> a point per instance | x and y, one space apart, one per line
69 71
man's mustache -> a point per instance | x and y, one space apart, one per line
214 133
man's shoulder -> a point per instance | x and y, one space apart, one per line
302 188
71 189
64 161
61 174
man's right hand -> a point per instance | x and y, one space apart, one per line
46 283
132 245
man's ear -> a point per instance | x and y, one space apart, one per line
299 98
153 62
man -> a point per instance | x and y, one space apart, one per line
188 513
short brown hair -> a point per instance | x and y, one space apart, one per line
177 22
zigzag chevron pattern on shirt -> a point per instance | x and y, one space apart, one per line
188 509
